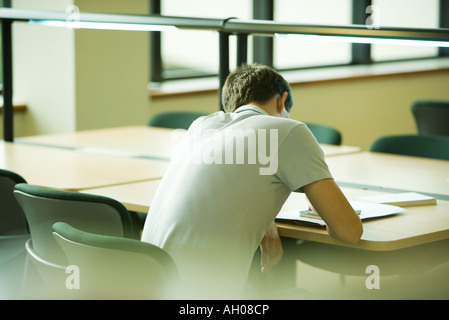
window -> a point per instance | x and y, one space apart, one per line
290 54
7 4
405 13
194 53
189 54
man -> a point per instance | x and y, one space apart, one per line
231 175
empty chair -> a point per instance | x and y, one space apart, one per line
431 117
325 134
436 147
115 267
43 207
175 120
12 219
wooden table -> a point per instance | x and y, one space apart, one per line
135 196
418 225
70 170
368 173
134 141
131 141
387 171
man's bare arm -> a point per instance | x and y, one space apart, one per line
342 222
271 248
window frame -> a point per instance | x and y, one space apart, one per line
263 47
3 4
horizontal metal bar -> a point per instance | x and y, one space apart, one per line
197 23
268 27
235 26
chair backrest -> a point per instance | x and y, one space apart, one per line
12 218
175 120
431 117
436 147
43 207
115 267
325 134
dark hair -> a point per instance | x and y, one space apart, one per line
254 82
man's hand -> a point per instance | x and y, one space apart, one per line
271 249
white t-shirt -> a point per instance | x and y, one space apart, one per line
225 185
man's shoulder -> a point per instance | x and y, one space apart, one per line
283 125
222 120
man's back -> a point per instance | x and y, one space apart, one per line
227 181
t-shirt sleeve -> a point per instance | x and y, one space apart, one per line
301 160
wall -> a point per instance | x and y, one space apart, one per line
43 72
112 70
79 79
365 109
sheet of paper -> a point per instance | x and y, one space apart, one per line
368 210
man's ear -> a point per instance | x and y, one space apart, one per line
281 102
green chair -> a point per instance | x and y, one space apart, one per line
43 207
436 147
12 219
115 267
175 120
431 117
325 134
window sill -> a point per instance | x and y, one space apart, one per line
183 87
17 107
355 72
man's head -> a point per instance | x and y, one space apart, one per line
254 83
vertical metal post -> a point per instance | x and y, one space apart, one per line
155 47
242 48
444 23
361 53
263 46
223 63
8 125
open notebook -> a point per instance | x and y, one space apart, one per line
366 211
